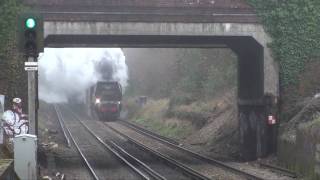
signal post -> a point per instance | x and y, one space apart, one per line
32 111
25 146
30 44
30 48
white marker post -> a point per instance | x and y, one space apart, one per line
31 66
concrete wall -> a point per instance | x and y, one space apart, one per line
271 77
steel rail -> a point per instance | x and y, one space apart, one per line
197 155
150 132
62 126
80 152
114 151
153 173
185 169
286 172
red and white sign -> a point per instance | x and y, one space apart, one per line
271 120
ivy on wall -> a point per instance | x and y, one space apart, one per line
294 26
8 22
13 80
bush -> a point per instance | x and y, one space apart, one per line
131 107
181 99
198 112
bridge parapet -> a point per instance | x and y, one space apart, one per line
226 4
231 11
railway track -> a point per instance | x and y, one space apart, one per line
191 153
192 173
175 144
66 137
279 170
174 165
94 175
130 160
146 131
181 158
144 166
102 168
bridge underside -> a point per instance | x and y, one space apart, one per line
257 73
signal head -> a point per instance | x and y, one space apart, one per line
30 23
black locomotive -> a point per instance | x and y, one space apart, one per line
106 99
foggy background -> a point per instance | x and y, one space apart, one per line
68 72
196 73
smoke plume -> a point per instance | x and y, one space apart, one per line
67 73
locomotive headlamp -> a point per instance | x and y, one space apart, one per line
98 101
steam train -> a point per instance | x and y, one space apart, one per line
105 100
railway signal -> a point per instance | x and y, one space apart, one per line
30 34
30 23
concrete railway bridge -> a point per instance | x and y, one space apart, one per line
178 23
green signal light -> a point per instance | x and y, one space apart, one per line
30 23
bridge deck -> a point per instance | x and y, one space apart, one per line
233 11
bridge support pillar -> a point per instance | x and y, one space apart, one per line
252 131
255 134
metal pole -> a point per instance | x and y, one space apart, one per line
36 101
31 99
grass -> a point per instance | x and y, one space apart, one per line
184 119
171 129
153 117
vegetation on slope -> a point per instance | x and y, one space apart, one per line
153 116
181 85
207 125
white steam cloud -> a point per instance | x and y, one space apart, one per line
69 72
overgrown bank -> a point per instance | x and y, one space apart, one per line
191 95
153 115
208 126
299 142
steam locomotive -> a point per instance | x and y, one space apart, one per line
105 100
